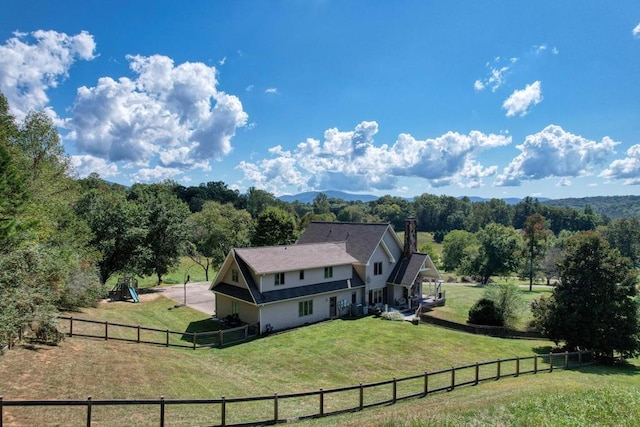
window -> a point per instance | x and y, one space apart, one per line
305 308
377 268
301 274
234 307
328 272
353 297
234 275
279 279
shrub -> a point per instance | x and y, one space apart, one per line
485 312
392 315
508 301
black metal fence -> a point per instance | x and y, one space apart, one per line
274 409
140 334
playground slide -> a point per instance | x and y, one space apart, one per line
134 294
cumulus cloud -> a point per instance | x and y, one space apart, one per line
84 165
636 31
271 90
32 63
627 169
350 160
173 114
497 71
553 152
519 101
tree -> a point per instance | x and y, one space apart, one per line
453 246
497 253
508 302
595 306
275 226
214 231
535 235
165 218
624 234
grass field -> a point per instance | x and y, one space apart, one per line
326 355
174 277
460 298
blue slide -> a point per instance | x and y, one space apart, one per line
134 294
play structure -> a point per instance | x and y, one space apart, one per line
126 289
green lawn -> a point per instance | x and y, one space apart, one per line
460 298
326 355
174 277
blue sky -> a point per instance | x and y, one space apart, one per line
491 99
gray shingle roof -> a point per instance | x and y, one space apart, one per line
362 238
273 259
407 269
252 294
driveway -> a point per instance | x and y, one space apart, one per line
199 297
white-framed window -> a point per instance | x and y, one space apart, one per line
234 275
234 307
377 268
301 274
279 279
328 272
305 308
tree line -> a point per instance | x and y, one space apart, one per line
62 238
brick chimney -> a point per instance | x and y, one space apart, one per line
410 236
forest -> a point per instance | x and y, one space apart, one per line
63 237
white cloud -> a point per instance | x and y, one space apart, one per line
636 31
156 174
564 182
32 63
271 90
84 165
222 61
497 74
250 88
350 160
172 113
553 152
519 101
627 169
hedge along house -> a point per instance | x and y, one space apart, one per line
334 269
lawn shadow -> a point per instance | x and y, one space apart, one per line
205 330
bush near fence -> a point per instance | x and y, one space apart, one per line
319 403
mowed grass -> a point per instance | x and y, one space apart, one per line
176 276
326 355
461 297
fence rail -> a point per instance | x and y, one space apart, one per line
283 407
165 337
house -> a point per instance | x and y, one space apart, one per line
334 269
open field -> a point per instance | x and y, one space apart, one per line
326 355
460 298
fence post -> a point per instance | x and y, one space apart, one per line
566 360
195 334
550 362
361 396
138 334
71 326
477 373
321 403
517 366
498 370
579 360
221 334
161 411
0 411
106 330
395 390
275 407
535 364
167 338
89 411
426 383
246 332
223 412
453 377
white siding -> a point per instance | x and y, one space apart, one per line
248 313
311 277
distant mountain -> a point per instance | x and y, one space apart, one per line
307 197
611 206
507 200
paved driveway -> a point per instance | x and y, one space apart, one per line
199 296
